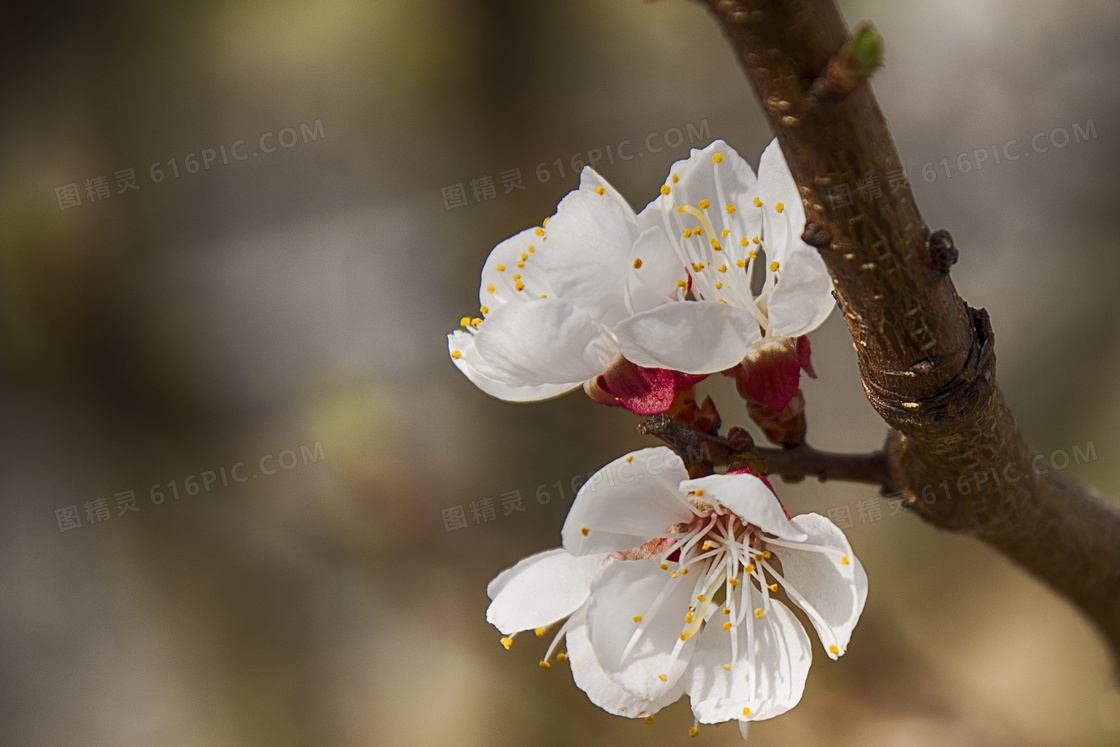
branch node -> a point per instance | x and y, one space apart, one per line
815 235
943 252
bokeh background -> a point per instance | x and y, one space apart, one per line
298 301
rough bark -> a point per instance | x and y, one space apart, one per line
926 358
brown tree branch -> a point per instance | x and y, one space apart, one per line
926 359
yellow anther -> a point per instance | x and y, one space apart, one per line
688 618
833 649
774 266
749 568
684 636
733 582
715 245
703 204
766 554
648 719
465 321
500 268
730 209
758 613
662 677
629 459
740 263
723 300
757 202
676 178
717 157
484 309
707 546
561 656
540 632
752 254
674 574
664 189
773 587
524 256
697 266
543 296
475 322
456 354
780 207
545 665
727 626
724 232
507 642
517 276
684 571
756 240
727 667
719 286
699 493
520 265
746 711
637 262
539 232
490 288
545 221
699 230
701 598
664 566
600 190
723 268
844 560
637 618
727 610
584 531
682 284
687 233
694 731
520 286
744 241
532 249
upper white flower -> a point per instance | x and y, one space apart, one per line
551 296
753 279
669 587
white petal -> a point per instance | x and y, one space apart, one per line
695 337
600 688
654 272
463 343
749 499
782 655
546 341
637 492
776 184
540 590
590 239
507 255
698 175
627 588
803 299
836 591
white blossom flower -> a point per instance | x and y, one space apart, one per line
551 297
677 592
755 285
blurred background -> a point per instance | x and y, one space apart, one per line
245 498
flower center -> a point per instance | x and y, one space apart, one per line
723 245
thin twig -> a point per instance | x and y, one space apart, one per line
697 447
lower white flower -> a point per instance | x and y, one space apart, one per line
677 590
